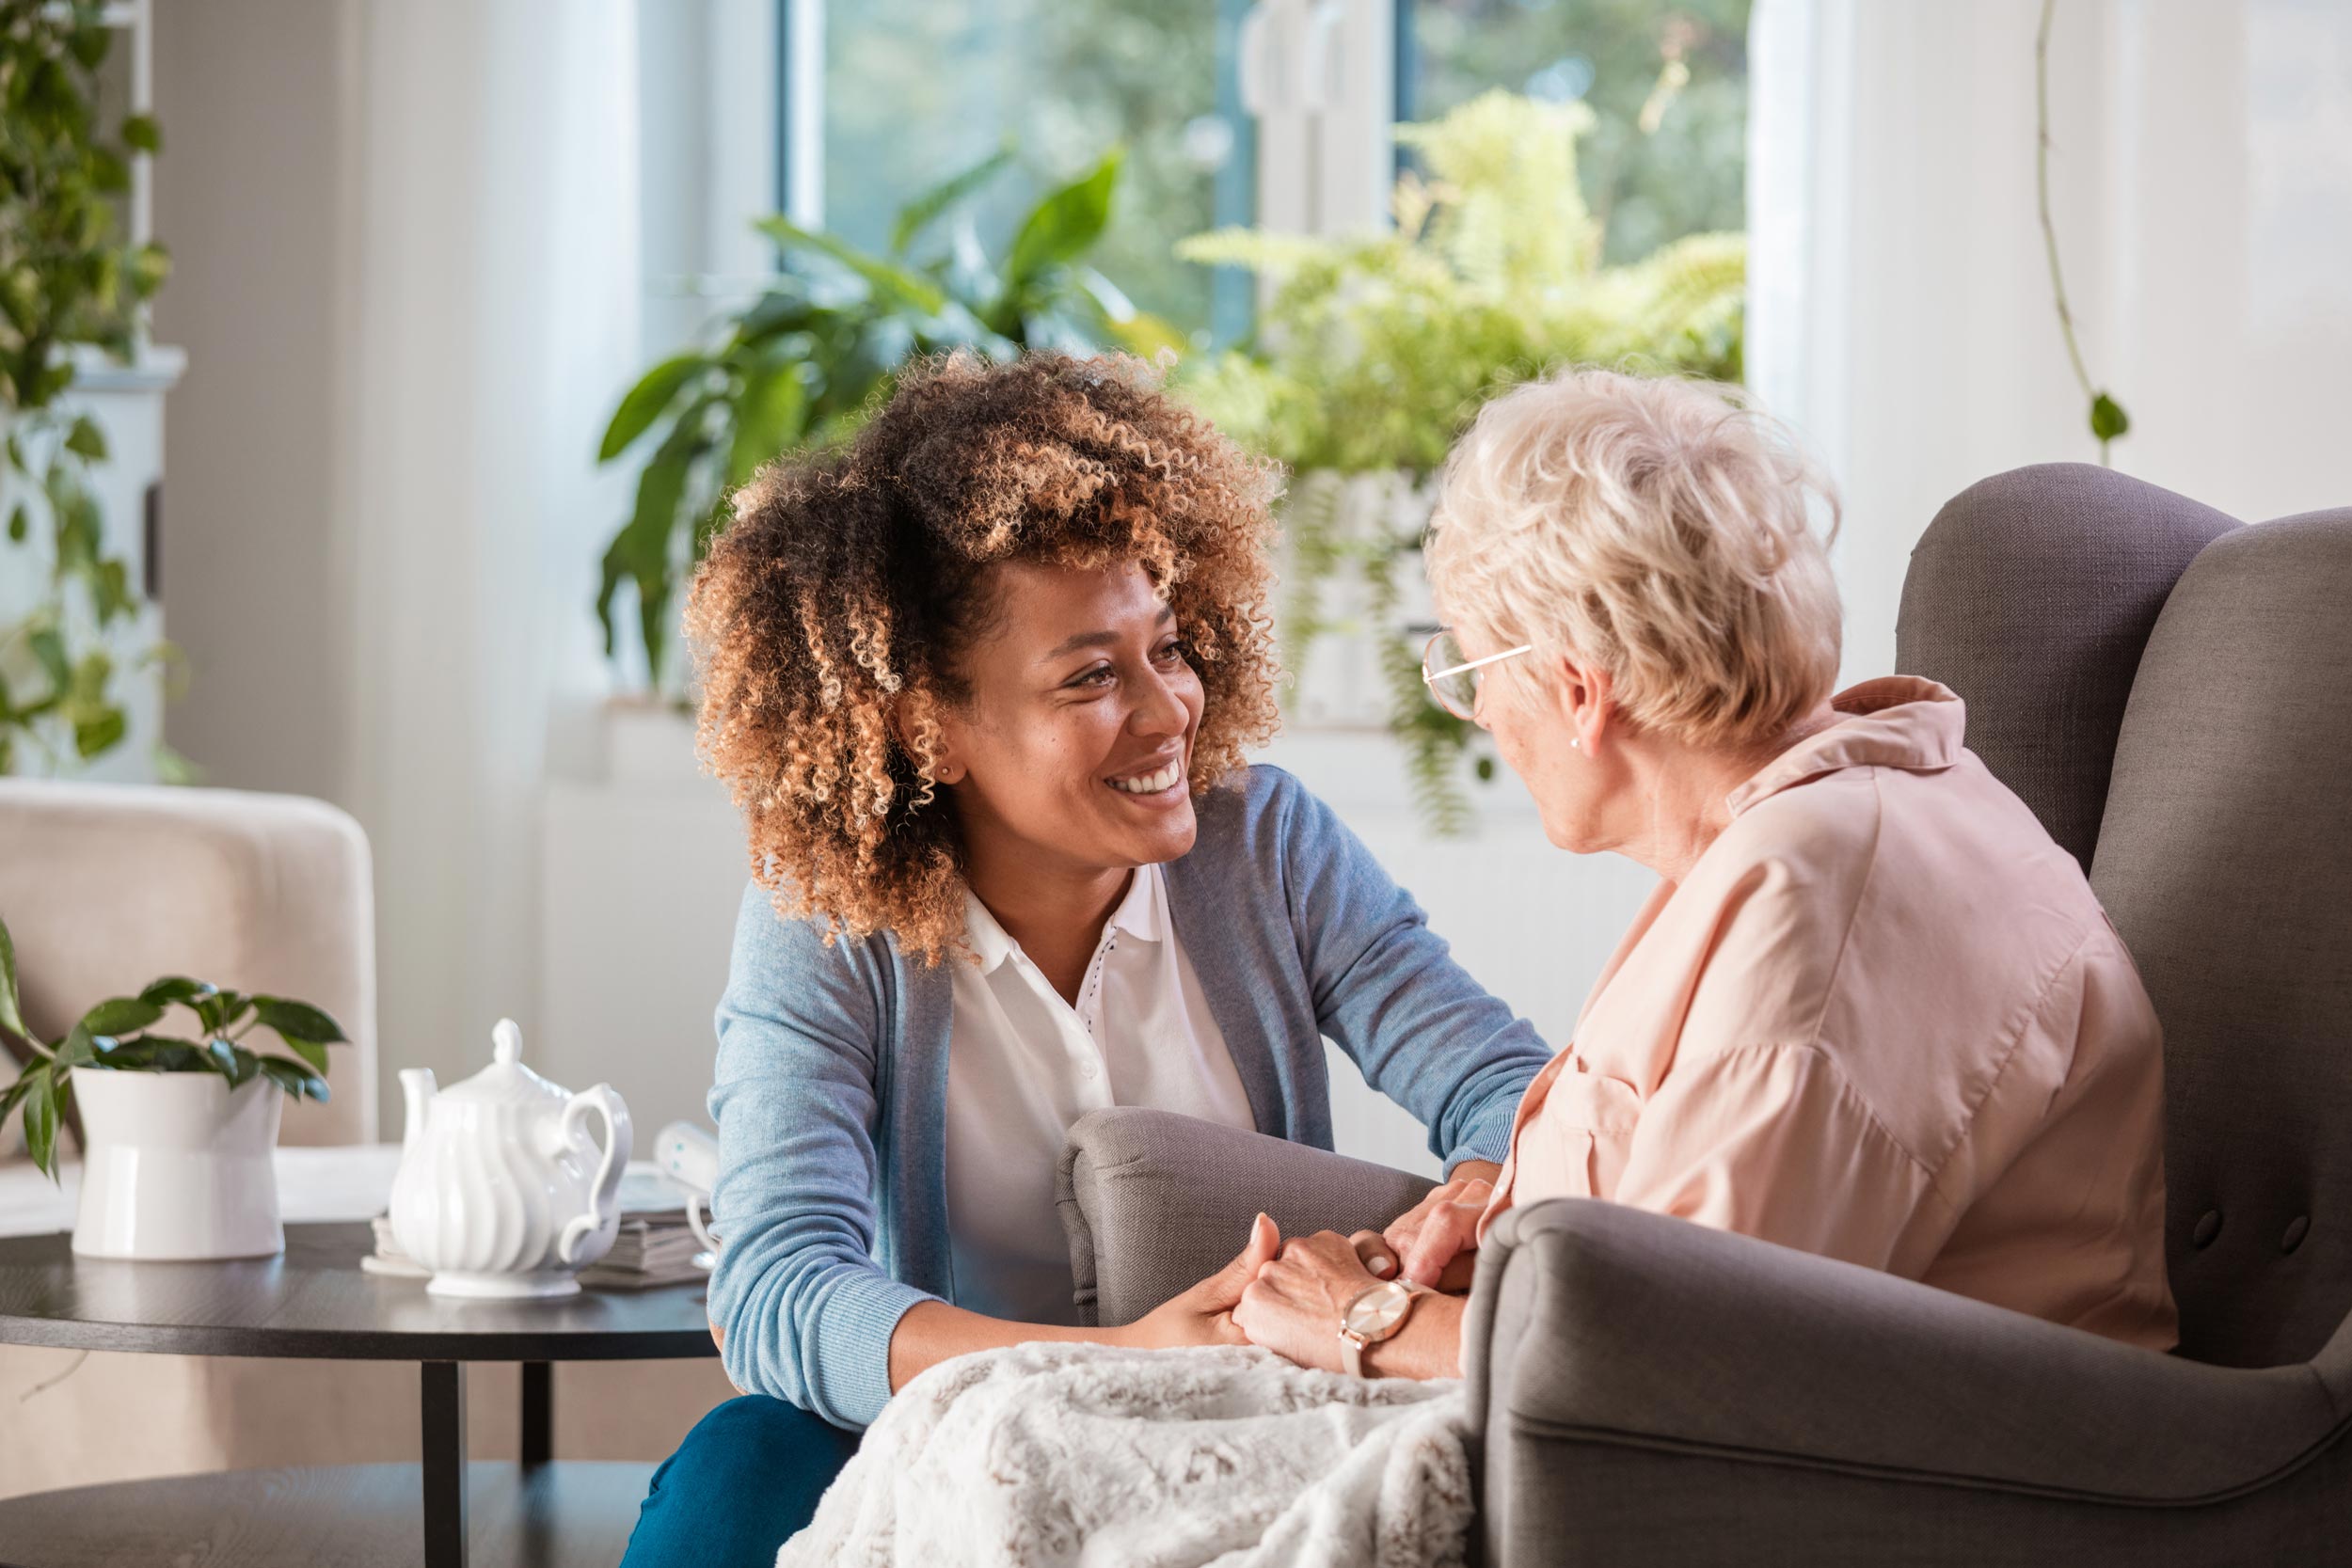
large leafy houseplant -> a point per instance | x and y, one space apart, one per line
119 1035
804 363
69 283
1372 353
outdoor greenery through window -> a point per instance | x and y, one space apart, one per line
917 89
1667 84
1004 175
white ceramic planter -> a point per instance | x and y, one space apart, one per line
178 1166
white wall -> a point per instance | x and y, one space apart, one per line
406 243
2232 251
2202 181
254 99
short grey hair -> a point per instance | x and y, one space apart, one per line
1659 528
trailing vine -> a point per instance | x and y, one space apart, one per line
68 282
2107 419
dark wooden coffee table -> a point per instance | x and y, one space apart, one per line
313 1301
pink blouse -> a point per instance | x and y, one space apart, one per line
1882 1019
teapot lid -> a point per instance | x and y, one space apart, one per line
506 1081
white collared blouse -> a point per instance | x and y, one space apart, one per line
1022 1065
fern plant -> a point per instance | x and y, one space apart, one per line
1373 354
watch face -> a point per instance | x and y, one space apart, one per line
1375 1313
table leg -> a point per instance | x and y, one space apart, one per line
444 1405
538 1413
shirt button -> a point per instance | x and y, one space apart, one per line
1087 1069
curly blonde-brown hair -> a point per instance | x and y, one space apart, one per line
828 618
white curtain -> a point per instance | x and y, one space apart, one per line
494 320
1901 311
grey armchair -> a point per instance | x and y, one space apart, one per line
2173 695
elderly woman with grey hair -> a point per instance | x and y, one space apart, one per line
1870 1011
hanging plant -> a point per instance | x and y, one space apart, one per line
2108 420
68 282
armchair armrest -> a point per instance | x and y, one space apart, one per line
1595 1324
1153 1203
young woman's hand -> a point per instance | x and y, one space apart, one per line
1204 1314
1436 1240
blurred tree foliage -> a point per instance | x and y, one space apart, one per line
1373 351
1666 80
915 89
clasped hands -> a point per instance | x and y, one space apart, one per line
1287 1296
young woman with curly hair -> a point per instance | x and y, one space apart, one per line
981 684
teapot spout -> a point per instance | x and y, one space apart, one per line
417 1088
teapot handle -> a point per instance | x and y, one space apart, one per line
603 1218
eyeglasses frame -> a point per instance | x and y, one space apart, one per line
1431 678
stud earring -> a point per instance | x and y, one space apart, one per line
1576 745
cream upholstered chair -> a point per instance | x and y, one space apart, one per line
104 888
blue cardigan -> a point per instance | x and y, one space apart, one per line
831 1081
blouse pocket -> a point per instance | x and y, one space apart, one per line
1578 1140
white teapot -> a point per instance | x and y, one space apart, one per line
501 1191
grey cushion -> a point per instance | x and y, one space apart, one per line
1608 1503
2031 594
2226 861
1153 1203
1706 1396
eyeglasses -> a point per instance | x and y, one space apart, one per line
1452 676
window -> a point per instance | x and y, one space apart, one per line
1271 112
913 90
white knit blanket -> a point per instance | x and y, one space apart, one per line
1082 1454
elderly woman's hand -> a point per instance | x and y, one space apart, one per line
1436 1239
1292 1307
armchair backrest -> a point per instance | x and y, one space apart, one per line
2031 595
2225 859
107 887
2171 695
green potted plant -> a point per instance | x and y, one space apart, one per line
804 362
70 286
177 1128
1373 352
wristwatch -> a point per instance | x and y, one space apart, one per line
1376 1314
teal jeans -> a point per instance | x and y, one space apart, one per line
746 1479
